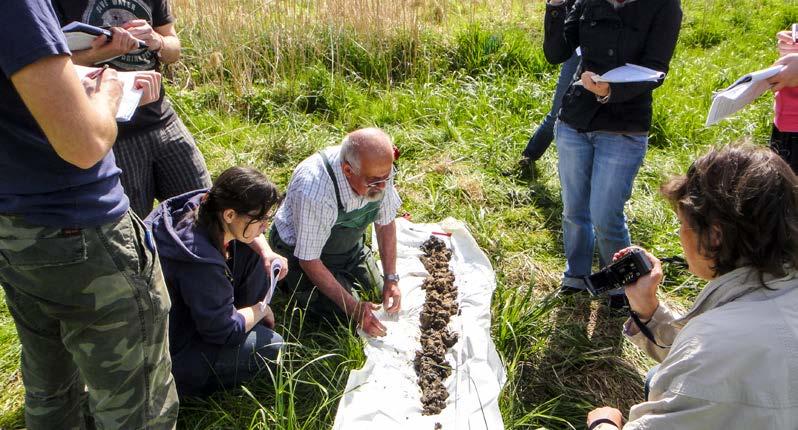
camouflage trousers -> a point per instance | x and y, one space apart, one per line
91 310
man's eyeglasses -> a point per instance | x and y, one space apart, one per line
375 184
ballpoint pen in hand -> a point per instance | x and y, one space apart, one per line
97 73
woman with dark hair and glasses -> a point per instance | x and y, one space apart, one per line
220 332
730 362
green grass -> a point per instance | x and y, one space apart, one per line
460 100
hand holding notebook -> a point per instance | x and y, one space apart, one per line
627 74
274 275
739 94
79 36
131 96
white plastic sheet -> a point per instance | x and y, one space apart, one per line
384 394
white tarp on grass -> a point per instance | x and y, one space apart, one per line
384 394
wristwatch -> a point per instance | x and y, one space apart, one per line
604 99
391 277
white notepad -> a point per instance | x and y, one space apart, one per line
131 96
739 94
275 273
628 73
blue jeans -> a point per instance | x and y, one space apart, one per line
239 364
544 134
597 170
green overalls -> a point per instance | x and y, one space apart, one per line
344 254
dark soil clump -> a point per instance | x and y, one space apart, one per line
430 363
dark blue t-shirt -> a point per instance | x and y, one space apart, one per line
34 181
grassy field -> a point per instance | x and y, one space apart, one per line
459 86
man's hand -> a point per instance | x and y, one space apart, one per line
268 317
386 239
600 89
102 49
142 30
642 294
607 413
364 315
150 84
105 88
391 297
788 76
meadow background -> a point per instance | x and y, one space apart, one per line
460 85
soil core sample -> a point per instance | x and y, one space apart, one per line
430 363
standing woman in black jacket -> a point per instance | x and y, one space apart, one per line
602 130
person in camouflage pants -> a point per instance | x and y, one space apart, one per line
84 288
90 307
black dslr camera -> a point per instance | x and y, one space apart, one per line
626 270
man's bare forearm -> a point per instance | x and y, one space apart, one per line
170 52
80 128
386 239
324 280
85 57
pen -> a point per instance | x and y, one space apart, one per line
439 233
97 73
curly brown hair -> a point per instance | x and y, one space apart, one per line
749 197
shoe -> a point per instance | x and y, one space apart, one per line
571 285
568 290
526 167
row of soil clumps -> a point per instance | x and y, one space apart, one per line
430 363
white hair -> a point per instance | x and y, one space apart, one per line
349 153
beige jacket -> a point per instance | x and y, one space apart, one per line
733 363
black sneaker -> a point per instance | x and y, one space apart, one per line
568 290
526 167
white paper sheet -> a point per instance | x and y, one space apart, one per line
628 73
739 94
79 41
384 394
130 96
273 275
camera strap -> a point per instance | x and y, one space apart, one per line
644 329
677 261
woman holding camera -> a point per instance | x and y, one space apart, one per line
731 361
602 131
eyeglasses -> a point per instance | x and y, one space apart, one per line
375 184
264 218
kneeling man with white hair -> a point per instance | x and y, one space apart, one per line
333 196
